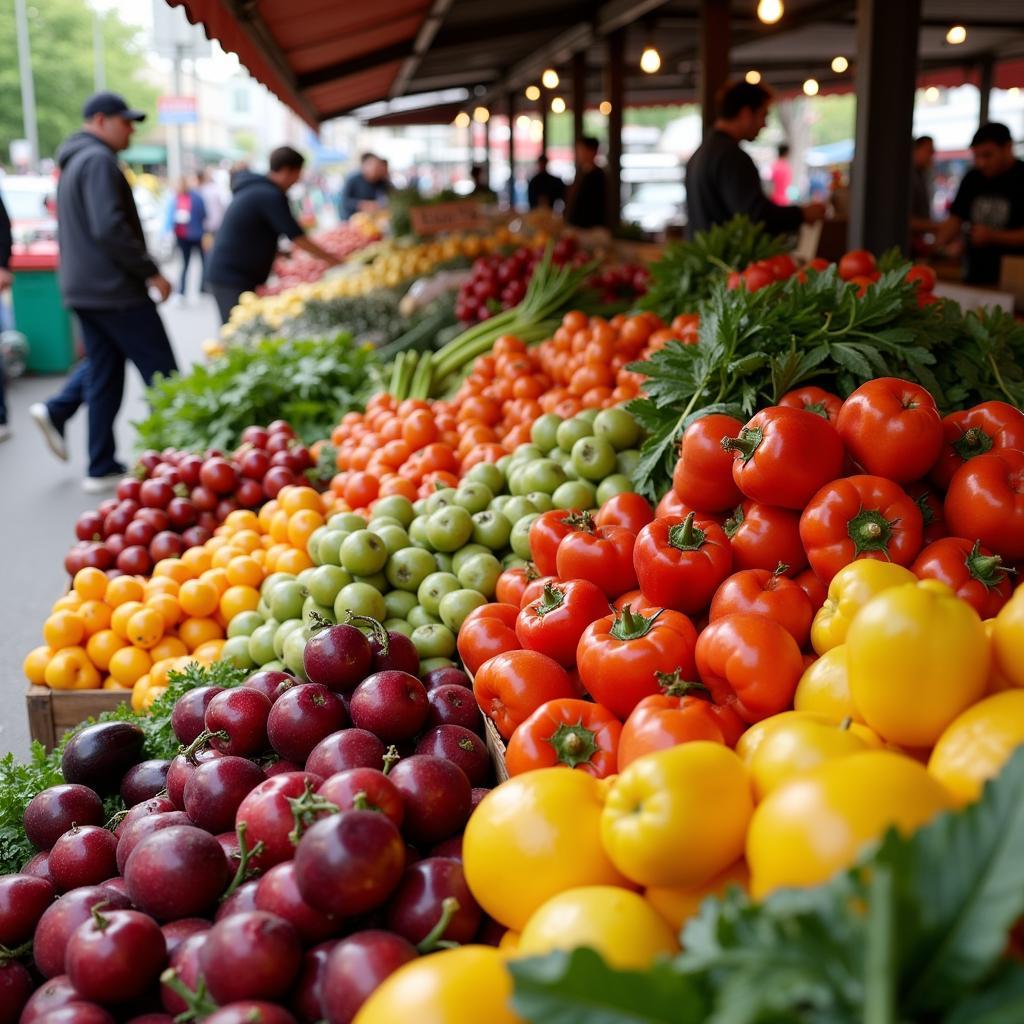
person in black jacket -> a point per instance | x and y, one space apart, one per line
544 189
259 214
5 283
106 277
585 199
722 180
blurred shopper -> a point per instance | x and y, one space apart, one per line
246 245
988 211
781 176
366 188
921 190
106 278
722 180
5 282
186 220
585 205
213 200
481 190
544 189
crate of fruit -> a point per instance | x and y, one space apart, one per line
51 713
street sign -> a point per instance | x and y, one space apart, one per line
176 110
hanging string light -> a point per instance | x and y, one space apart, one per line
769 11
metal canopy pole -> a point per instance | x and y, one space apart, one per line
579 93
616 42
714 57
510 113
28 92
985 84
887 41
545 113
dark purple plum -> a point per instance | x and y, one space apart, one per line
53 811
188 716
356 966
15 989
176 932
23 898
143 781
446 675
437 798
99 755
451 704
60 920
270 683
338 657
241 901
349 748
215 790
84 855
301 717
269 818
392 705
145 826
419 902
363 789
278 893
181 771
250 1011
155 805
306 1003
238 720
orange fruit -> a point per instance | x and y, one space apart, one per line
34 665
70 602
244 571
197 630
64 629
198 597
209 652
145 627
96 616
222 556
139 691
71 669
129 664
238 599
168 647
248 540
197 559
241 519
217 542
218 577
150 695
161 585
122 613
90 583
301 525
279 527
110 683
293 560
124 588
168 607
301 498
101 647
174 568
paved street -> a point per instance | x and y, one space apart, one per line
40 497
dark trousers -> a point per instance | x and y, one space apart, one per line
111 337
226 296
186 247
65 403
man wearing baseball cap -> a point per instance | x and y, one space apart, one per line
106 276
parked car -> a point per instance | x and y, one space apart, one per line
656 204
31 203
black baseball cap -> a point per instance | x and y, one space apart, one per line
112 105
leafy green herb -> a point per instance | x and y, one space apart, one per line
916 932
754 347
18 784
309 383
686 273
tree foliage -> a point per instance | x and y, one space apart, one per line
61 39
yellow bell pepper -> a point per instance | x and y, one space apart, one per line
1008 639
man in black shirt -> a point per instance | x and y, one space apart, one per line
722 180
366 188
990 203
544 188
246 244
585 201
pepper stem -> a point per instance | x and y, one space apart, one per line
685 536
574 744
630 625
973 441
551 600
870 531
434 938
734 522
380 634
986 569
746 443
674 685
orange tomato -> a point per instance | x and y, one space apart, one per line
122 613
64 629
198 598
71 669
198 630
145 628
101 647
96 616
34 665
90 583
128 664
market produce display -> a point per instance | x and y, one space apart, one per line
727 596
299 267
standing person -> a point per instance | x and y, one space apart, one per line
988 211
213 200
921 218
781 176
721 179
585 200
366 188
106 276
544 189
481 190
258 215
5 282
186 218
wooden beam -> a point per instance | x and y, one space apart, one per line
424 38
510 113
985 83
355 65
887 43
616 48
579 93
714 57
618 14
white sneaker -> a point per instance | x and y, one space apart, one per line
101 484
5 431
53 437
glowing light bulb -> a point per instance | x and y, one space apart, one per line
753 77
532 92
558 105
549 79
769 11
956 35
462 119
605 107
481 115
650 60
811 87
839 64
931 94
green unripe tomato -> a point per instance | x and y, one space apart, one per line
433 588
520 539
544 430
617 427
397 506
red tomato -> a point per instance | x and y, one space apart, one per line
815 590
892 428
702 477
766 593
970 432
924 277
546 533
814 399
680 562
858 263
512 582
510 687
554 623
673 717
570 732
783 456
929 501
782 266
671 505
985 500
535 588
488 631
750 663
974 573
860 517
620 656
601 554
628 510
756 277
764 535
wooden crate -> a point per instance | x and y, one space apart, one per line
496 748
52 712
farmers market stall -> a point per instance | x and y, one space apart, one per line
426 661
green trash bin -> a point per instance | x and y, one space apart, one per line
38 311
